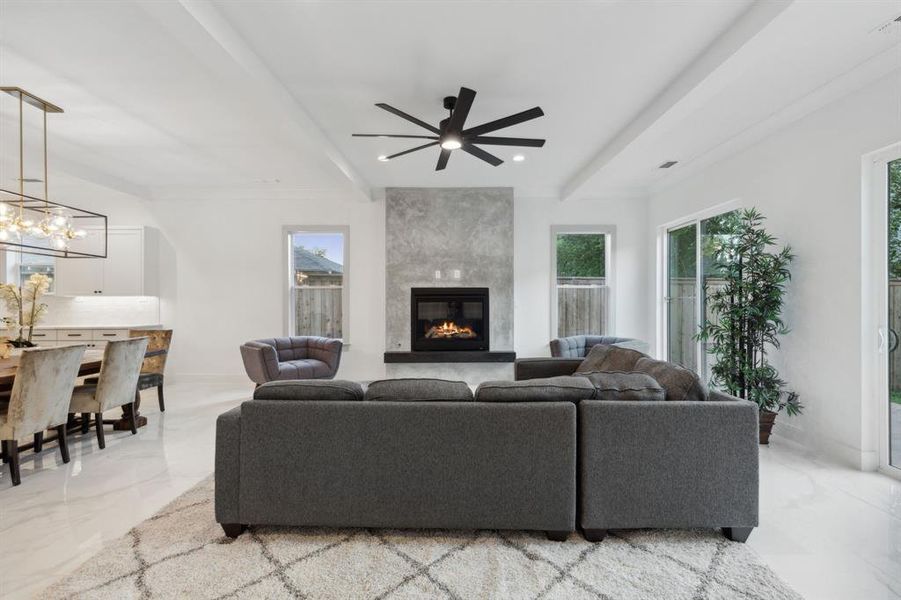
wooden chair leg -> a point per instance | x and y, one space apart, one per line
63 442
85 422
38 442
98 423
11 450
132 418
159 396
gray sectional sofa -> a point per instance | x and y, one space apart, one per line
425 454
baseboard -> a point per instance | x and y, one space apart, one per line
210 378
825 447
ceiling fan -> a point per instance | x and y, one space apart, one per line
451 135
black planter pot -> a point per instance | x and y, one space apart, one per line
20 343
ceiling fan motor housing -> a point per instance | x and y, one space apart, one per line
450 102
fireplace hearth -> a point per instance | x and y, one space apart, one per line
449 319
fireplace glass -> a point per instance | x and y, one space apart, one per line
449 319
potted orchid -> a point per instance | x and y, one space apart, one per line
24 307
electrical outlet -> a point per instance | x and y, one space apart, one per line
456 273
437 274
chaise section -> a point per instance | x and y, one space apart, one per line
668 464
455 465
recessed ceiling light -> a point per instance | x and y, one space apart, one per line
451 143
519 158
383 158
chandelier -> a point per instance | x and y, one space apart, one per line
38 225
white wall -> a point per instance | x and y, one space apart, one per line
227 281
807 180
533 219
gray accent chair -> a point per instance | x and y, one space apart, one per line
39 401
299 357
577 346
386 464
663 464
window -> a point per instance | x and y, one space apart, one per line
581 302
688 288
317 280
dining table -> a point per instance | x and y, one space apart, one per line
90 365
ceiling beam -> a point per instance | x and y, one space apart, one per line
754 20
271 89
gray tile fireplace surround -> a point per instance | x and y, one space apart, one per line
446 229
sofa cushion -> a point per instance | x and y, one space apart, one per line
565 388
603 357
680 383
336 389
618 385
418 390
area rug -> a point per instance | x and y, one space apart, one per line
181 552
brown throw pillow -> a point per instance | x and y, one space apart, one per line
680 383
602 357
625 386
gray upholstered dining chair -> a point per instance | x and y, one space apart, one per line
39 401
116 385
577 346
300 357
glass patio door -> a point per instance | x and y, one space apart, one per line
894 313
682 296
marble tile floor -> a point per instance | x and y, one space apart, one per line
829 531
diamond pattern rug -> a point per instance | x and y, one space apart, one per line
181 552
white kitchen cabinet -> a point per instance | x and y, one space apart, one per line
130 268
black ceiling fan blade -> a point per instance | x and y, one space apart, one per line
442 159
461 109
479 153
410 118
411 150
395 135
506 141
522 117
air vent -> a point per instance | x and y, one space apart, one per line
668 164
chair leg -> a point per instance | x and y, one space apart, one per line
98 423
38 442
85 422
63 442
159 396
11 450
132 419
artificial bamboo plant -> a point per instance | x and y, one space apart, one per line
746 310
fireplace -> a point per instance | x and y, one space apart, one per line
444 319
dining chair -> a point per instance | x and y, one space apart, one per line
153 367
39 400
116 385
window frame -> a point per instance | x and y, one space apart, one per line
609 231
288 284
662 349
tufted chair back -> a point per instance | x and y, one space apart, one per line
577 346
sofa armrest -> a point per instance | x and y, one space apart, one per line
260 361
668 464
327 350
228 466
535 368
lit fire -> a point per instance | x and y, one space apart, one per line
449 329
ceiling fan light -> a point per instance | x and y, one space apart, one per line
451 143
518 158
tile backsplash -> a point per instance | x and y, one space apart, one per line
99 311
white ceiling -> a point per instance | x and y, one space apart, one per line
186 98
